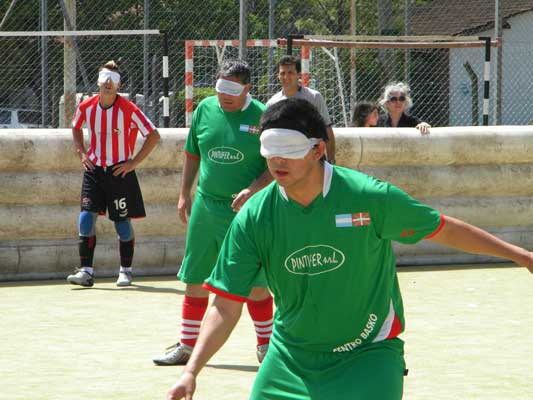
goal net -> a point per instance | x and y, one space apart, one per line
447 75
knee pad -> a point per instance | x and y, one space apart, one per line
124 230
86 223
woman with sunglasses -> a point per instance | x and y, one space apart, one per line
396 101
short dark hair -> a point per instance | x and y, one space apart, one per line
291 60
235 68
361 112
111 65
296 114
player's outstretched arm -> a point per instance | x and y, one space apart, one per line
222 317
471 239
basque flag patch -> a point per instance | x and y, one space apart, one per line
251 129
349 220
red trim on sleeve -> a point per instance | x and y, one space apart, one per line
439 228
396 328
190 155
224 294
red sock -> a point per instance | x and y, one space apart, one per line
261 313
192 313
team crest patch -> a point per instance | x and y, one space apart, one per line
251 129
225 155
349 220
116 131
314 260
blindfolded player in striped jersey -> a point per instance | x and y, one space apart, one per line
109 181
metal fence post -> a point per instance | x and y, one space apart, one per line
271 30
407 66
69 66
498 17
166 105
243 28
146 62
486 80
44 64
353 59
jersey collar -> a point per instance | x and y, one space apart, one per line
328 173
284 95
247 102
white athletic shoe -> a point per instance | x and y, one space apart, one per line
261 352
80 277
177 354
124 279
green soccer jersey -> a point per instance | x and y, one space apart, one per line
228 146
330 265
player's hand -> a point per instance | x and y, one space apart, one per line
86 162
184 388
240 199
423 127
124 168
184 208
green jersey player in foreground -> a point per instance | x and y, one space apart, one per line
322 234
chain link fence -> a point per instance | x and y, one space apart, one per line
447 85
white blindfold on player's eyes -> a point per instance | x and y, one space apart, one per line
229 87
286 143
106 74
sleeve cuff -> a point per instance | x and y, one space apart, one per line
224 294
190 155
439 228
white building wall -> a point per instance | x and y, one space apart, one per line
517 78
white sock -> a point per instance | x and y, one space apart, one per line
89 270
122 269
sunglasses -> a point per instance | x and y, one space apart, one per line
395 99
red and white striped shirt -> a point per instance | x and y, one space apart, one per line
112 131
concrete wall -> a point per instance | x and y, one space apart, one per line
480 174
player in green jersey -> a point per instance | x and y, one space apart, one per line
223 144
323 236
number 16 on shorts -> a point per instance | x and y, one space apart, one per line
121 206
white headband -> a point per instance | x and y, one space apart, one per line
105 74
229 87
286 143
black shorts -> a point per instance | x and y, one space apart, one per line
120 196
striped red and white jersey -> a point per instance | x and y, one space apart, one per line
112 131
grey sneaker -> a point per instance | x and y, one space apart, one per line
80 277
261 352
124 279
177 354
